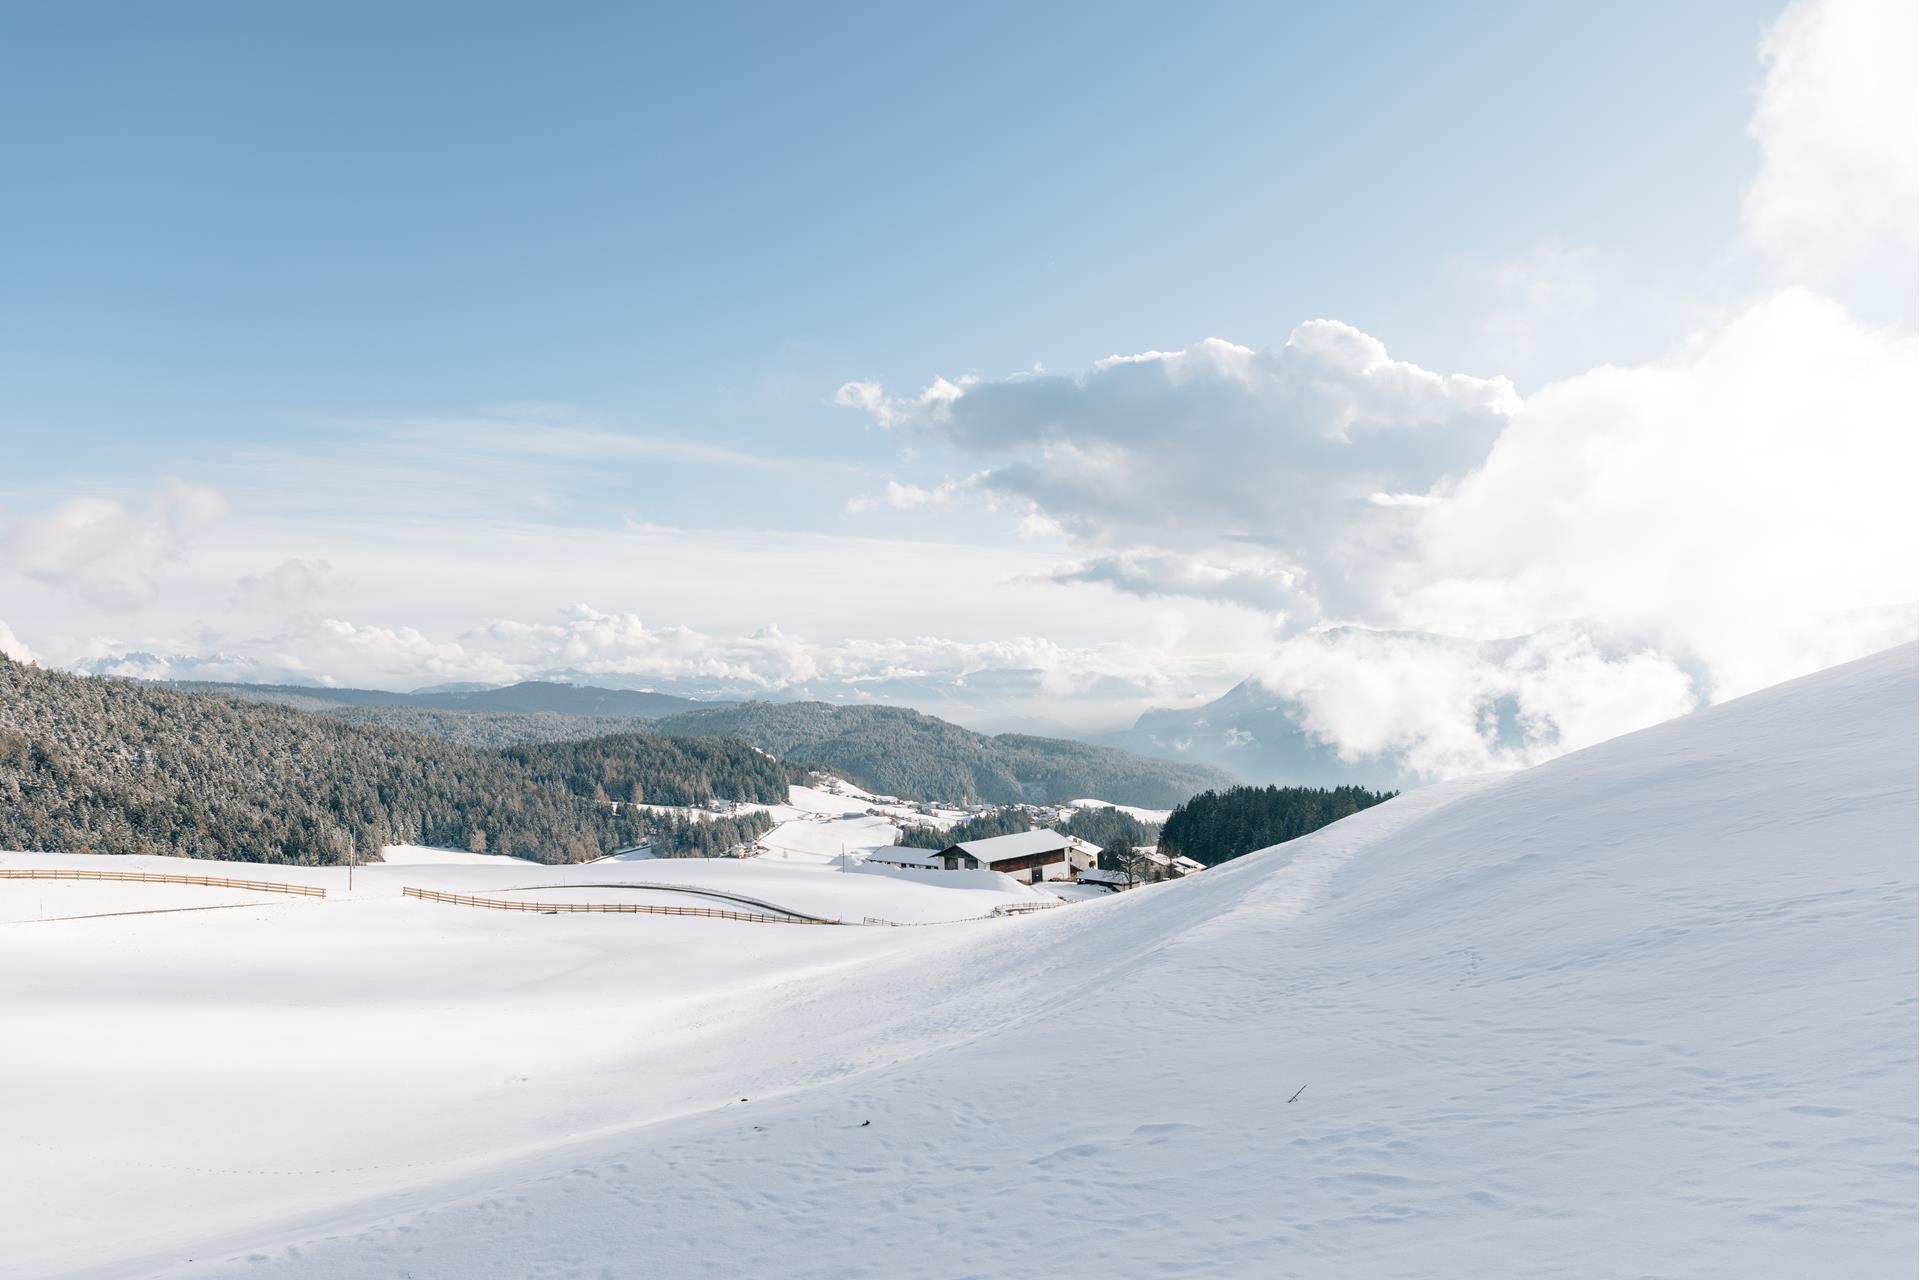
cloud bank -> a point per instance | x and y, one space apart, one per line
1464 579
105 551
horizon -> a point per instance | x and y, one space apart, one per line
1482 384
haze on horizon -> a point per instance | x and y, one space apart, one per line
1051 364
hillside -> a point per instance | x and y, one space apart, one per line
1646 1010
112 766
529 697
484 729
1218 826
896 751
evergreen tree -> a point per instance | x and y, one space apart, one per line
1216 826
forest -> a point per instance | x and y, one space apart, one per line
1101 826
1216 826
99 765
900 752
995 822
648 768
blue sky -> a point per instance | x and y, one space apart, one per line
393 343
243 221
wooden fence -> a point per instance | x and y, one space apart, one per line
154 877
628 908
1022 908
998 913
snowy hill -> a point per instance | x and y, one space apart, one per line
1647 1009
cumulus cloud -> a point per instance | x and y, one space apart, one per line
1677 531
890 412
105 551
1680 531
291 584
911 497
1838 127
12 646
1188 448
1761 475
1148 572
1440 707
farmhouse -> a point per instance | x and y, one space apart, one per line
1030 855
902 856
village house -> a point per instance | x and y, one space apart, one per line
904 856
1082 855
1031 856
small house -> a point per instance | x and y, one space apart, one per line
1031 856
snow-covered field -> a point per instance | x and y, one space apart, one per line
1648 1009
414 855
1144 815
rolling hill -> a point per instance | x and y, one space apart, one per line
890 750
896 751
529 697
1648 1009
94 764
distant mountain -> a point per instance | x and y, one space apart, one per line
897 751
1256 735
530 697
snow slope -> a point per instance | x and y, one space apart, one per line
1133 811
1648 1009
416 855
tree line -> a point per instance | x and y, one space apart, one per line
995 822
900 752
99 765
1216 826
647 768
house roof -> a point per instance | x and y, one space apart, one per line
1001 848
901 856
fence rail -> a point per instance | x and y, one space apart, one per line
154 877
1000 912
626 908
1022 908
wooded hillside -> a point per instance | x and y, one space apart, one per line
98 765
1216 826
899 752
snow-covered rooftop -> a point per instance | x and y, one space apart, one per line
1000 848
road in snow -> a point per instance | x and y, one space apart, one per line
1648 1009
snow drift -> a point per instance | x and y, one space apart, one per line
1647 1009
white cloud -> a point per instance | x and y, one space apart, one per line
12 646
291 584
105 551
1838 124
1761 475
1146 572
968 680
1661 533
1442 707
910 497
1191 449
889 412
